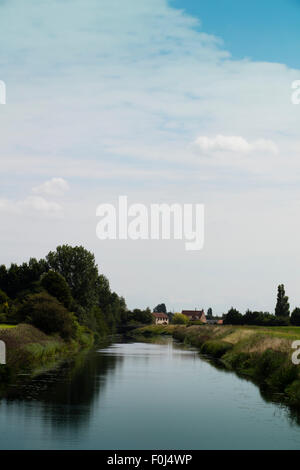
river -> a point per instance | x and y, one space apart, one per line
143 396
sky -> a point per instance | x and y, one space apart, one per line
164 102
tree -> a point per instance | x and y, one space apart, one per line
77 266
18 279
48 314
180 319
3 297
233 317
56 285
140 316
282 307
209 313
295 317
4 306
160 308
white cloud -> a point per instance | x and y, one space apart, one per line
123 90
32 205
233 144
53 187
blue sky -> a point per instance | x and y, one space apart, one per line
265 30
138 98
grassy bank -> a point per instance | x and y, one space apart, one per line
30 350
262 354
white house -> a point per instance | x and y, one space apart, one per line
161 318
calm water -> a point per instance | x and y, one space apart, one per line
143 396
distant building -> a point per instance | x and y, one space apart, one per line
160 318
214 321
195 315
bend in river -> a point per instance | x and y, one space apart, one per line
143 396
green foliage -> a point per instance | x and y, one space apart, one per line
56 285
264 319
77 266
209 314
180 319
140 316
46 313
216 348
233 317
3 297
282 307
21 278
160 308
295 317
269 362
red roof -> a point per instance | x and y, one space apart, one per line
193 312
160 315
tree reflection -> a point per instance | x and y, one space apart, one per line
65 396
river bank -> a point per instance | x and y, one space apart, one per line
262 354
29 350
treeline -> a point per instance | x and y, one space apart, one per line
282 315
63 293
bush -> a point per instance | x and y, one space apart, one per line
216 348
49 315
269 363
283 377
180 319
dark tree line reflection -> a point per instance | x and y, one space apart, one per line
65 396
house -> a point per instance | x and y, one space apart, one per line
195 315
160 318
214 321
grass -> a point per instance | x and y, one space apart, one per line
28 349
5 326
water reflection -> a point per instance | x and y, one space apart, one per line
292 412
65 395
150 394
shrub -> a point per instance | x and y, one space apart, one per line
216 348
49 315
268 363
283 377
180 319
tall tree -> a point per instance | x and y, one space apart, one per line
209 313
282 307
77 266
160 308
